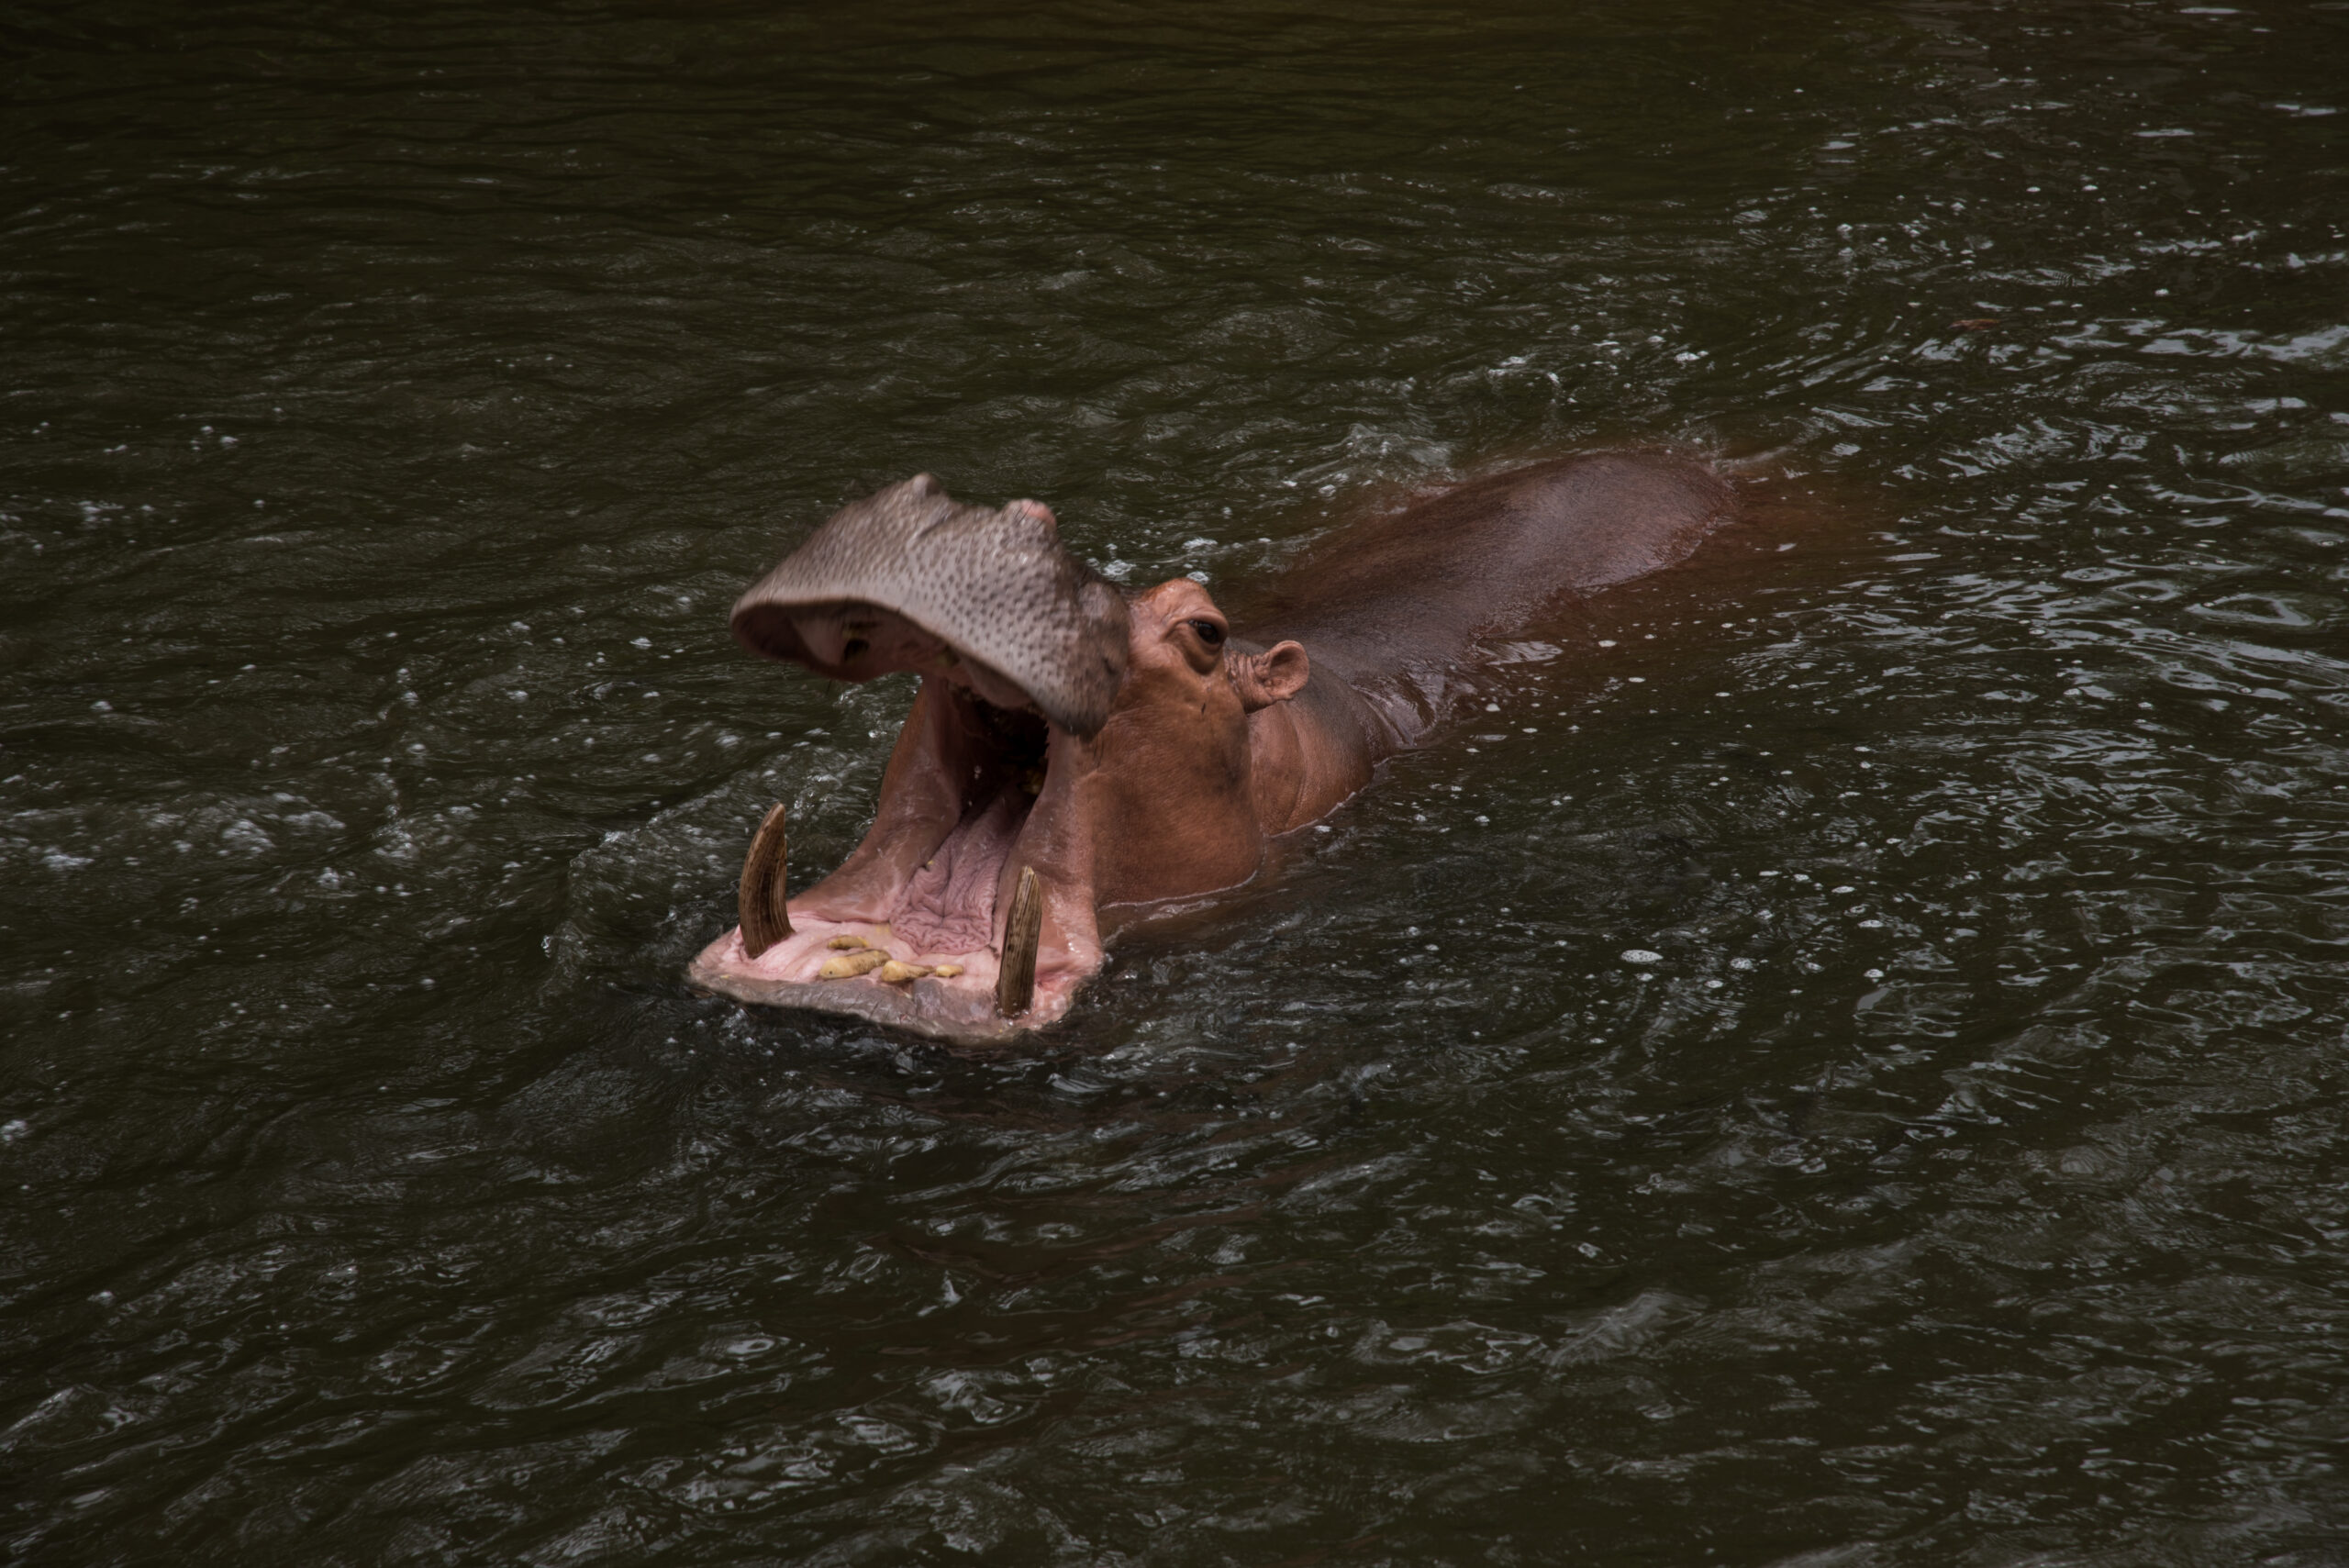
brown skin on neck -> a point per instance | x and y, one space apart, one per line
1199 761
1218 743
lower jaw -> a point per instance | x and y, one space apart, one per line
944 914
961 1009
935 966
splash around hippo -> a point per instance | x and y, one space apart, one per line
1077 757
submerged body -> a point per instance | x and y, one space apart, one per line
1141 752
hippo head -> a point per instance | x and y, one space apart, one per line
1070 750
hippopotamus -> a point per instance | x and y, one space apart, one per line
1079 757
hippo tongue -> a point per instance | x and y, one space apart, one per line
909 578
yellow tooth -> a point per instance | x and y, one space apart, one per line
896 974
1023 929
847 943
764 917
947 970
863 961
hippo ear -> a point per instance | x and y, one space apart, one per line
1275 675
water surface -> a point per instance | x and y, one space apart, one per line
394 400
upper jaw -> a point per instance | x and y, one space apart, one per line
853 640
910 579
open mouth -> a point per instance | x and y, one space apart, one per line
938 922
934 923
948 904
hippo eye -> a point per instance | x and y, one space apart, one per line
1209 633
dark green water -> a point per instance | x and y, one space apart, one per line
392 401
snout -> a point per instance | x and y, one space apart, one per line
910 579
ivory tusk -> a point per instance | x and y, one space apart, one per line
1014 981
766 919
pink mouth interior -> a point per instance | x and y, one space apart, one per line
944 910
949 904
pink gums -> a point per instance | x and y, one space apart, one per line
949 904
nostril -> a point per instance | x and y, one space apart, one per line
853 647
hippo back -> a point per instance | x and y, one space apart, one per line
1395 608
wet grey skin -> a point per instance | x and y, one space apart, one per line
908 578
